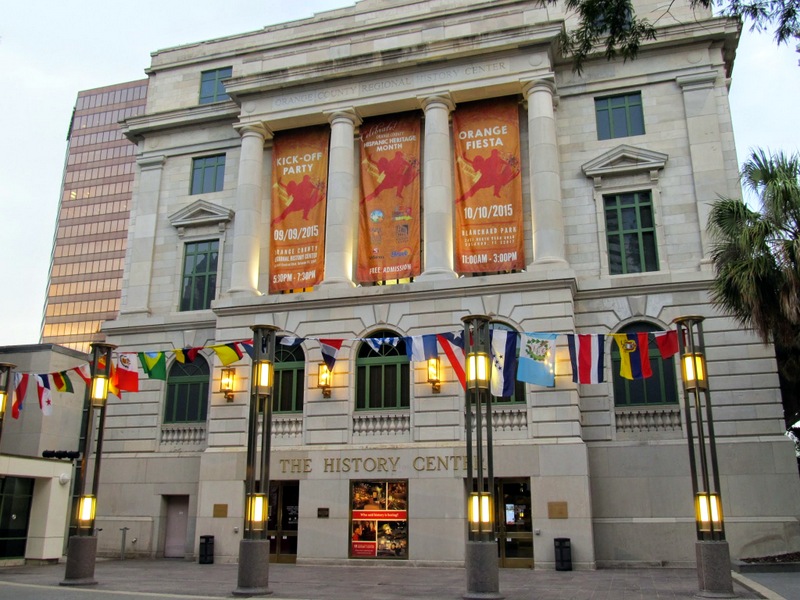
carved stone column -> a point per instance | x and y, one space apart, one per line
342 211
438 189
545 177
247 226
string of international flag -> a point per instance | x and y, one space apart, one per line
515 356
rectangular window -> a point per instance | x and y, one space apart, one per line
631 233
379 519
211 88
199 275
619 116
208 174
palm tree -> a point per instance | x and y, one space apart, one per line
756 255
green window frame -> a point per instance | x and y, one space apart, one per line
383 376
208 174
630 233
659 389
290 372
211 87
199 279
187 392
518 397
619 116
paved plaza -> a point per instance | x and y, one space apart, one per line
182 579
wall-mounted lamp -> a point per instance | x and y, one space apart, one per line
101 373
227 379
324 377
6 381
435 374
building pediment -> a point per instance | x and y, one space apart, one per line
201 213
625 160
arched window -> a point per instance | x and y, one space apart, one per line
518 397
660 388
187 392
382 374
290 369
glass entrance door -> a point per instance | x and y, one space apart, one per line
284 499
514 523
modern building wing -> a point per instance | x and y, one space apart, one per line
92 228
364 179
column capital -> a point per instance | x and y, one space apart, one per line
697 81
349 113
151 162
544 83
443 98
244 129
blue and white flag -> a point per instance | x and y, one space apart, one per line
537 359
376 342
504 362
422 347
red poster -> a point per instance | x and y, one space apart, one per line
389 231
489 225
299 181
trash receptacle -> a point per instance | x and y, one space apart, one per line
206 549
563 550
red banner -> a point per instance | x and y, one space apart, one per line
299 181
389 231
489 224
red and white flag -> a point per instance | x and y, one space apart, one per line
586 353
45 395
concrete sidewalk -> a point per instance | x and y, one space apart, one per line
178 578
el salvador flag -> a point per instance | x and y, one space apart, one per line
504 362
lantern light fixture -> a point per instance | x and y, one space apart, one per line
101 373
227 380
478 370
324 379
480 511
257 511
694 371
86 511
435 374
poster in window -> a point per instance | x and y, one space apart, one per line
379 519
299 193
488 205
389 220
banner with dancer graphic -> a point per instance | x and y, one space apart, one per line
299 182
489 225
389 231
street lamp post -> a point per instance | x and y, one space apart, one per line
712 551
82 547
254 547
6 387
483 577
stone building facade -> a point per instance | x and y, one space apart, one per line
602 464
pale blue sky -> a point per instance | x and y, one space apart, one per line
52 49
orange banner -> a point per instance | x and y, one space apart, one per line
389 232
299 181
489 225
